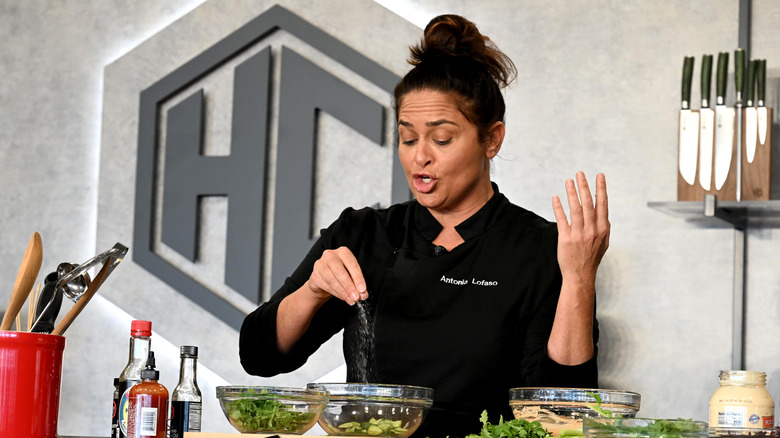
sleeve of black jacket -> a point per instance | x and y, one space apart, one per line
537 367
257 340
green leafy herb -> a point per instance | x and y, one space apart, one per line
251 415
597 406
515 428
649 427
374 427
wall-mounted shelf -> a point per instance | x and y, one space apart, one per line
726 214
739 215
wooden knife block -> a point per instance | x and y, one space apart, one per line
757 176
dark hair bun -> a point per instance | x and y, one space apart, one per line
454 36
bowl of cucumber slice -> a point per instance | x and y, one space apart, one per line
368 409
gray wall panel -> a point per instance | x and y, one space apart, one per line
598 90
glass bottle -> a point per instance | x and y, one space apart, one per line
186 398
147 414
742 402
140 343
115 416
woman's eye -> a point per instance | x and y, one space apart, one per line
443 142
409 142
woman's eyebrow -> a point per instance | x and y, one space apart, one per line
429 124
441 122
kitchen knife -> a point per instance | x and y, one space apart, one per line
739 85
706 131
750 113
724 124
760 95
689 127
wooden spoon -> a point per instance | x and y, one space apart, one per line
25 278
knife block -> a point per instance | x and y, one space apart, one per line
757 176
685 191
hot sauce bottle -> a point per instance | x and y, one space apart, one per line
140 343
148 405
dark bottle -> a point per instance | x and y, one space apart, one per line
147 414
115 416
186 398
140 342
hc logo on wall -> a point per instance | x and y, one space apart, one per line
274 106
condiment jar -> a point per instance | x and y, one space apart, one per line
742 402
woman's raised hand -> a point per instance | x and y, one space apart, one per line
337 273
583 241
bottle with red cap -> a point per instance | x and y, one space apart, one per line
140 343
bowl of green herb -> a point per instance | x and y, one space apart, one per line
373 409
561 410
269 409
644 428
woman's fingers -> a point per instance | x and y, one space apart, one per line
586 198
338 273
602 204
575 208
560 216
583 240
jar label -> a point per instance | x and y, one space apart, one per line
739 417
732 416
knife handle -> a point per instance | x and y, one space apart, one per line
751 82
687 79
739 74
761 81
706 79
723 67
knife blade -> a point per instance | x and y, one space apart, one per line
689 127
760 95
724 124
739 85
706 120
751 129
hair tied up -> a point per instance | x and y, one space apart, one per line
452 36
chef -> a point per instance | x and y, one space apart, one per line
465 292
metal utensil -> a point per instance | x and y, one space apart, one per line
75 288
110 259
25 278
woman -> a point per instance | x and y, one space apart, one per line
468 293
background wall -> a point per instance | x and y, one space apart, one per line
598 90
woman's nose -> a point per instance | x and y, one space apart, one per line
423 154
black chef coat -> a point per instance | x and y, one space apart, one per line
470 323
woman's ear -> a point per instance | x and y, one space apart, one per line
495 139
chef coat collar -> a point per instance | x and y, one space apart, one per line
429 227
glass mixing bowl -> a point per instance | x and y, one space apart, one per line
271 409
644 428
561 410
373 409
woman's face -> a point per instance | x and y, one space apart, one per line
447 167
